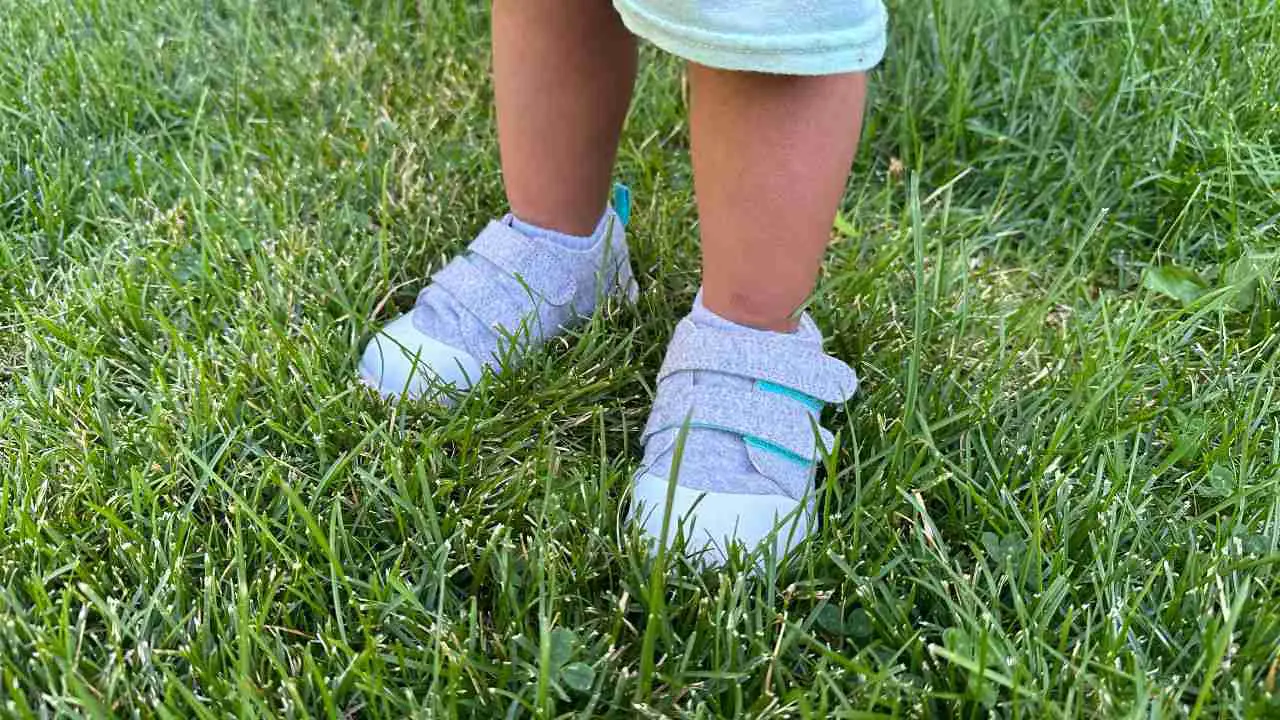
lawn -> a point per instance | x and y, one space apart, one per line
1055 269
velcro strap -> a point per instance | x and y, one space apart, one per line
774 359
763 416
533 261
478 292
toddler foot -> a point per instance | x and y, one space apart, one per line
515 287
752 400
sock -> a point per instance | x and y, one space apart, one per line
564 240
701 315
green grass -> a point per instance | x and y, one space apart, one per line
1057 495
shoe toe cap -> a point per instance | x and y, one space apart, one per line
712 521
402 360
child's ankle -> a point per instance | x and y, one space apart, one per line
752 310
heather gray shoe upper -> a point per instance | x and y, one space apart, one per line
752 400
507 292
755 397
510 286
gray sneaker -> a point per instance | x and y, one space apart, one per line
505 295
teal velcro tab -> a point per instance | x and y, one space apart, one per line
622 202
809 401
785 454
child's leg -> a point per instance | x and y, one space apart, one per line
771 154
745 370
562 74
745 374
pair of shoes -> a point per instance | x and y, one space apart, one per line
733 441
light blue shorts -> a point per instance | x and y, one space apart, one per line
790 37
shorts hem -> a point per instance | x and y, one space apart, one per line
853 50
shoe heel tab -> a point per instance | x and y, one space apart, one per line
622 202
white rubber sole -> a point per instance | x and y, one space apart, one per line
712 521
402 361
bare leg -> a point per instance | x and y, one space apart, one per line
562 73
771 154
